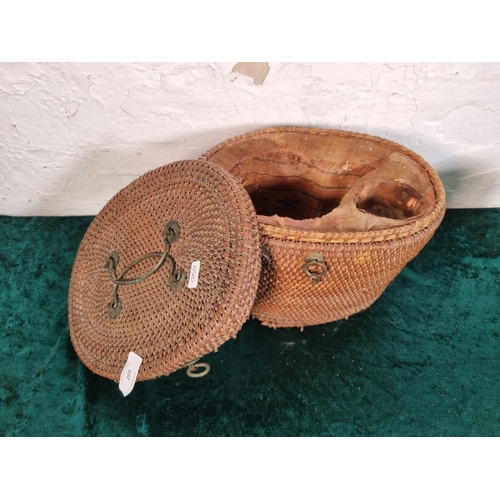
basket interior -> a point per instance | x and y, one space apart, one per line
353 183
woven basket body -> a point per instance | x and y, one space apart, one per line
168 329
340 213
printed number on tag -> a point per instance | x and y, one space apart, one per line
129 373
193 275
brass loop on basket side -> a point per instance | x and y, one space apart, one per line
266 257
314 259
177 278
193 366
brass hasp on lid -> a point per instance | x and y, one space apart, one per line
177 278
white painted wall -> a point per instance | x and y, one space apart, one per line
73 134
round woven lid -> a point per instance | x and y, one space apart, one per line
146 239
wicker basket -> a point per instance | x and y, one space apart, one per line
311 227
340 214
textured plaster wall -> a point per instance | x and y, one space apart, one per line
73 134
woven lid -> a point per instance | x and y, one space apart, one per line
130 288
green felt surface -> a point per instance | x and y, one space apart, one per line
424 360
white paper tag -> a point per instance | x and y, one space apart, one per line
129 373
193 275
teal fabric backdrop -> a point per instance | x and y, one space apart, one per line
424 360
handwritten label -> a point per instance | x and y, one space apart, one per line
129 373
193 275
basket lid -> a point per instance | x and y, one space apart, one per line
133 285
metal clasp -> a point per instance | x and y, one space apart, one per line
266 257
193 366
177 278
315 266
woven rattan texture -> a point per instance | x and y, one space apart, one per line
357 275
361 263
167 329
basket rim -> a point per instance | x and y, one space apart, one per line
433 218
